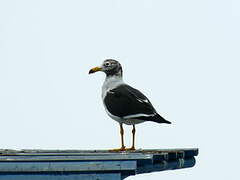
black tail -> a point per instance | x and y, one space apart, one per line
160 119
157 118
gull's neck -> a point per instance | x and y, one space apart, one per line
111 82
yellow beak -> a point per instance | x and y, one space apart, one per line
93 70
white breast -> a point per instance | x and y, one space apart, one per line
111 83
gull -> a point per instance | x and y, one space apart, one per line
123 103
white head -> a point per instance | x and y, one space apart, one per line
110 67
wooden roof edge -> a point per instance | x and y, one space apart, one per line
194 151
41 163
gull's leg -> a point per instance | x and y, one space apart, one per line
133 139
122 139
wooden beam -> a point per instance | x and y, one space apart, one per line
90 164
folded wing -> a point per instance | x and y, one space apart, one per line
127 102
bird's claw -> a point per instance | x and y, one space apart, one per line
130 149
122 149
118 150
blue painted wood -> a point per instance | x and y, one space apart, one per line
75 157
167 165
105 176
192 152
80 164
87 166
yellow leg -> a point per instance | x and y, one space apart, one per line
122 148
133 139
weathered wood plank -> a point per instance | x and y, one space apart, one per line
167 165
72 163
190 152
92 166
77 158
104 176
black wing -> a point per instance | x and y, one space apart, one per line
125 100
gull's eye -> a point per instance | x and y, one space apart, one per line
107 64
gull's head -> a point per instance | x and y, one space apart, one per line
111 67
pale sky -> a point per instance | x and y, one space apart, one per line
184 55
